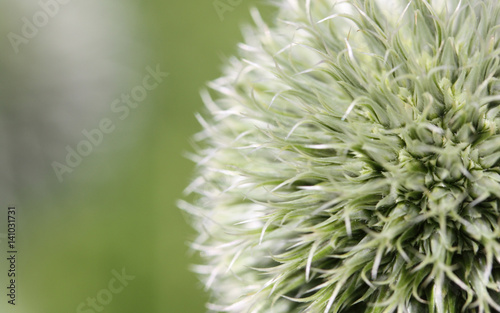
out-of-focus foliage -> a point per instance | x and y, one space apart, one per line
117 208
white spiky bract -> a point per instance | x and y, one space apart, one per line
350 161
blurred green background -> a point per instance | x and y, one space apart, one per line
117 210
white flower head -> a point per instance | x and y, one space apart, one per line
350 161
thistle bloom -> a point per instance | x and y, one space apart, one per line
350 161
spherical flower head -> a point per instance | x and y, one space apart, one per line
350 161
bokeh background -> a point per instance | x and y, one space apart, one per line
117 209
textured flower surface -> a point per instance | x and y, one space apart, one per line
350 161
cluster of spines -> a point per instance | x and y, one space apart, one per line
349 162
